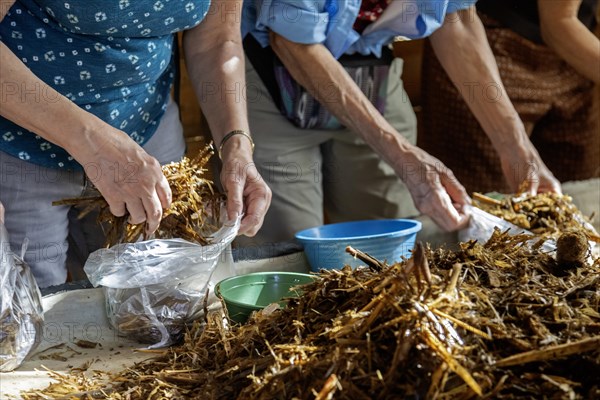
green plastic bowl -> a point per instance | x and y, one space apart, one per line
246 293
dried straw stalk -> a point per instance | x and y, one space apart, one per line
192 215
547 215
441 325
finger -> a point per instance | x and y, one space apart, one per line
153 210
234 204
163 190
550 185
1 213
250 225
557 189
532 180
463 220
234 189
463 209
450 224
137 215
453 218
117 208
533 183
445 214
455 190
257 204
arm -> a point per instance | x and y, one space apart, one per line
464 52
89 140
569 38
215 60
433 187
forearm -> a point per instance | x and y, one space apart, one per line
433 187
313 67
569 38
32 104
215 61
89 140
29 102
462 48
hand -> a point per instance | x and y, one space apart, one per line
1 213
434 189
527 167
129 179
246 190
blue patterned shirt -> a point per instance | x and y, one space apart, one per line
330 22
113 58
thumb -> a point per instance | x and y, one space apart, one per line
234 207
235 204
455 190
233 184
534 184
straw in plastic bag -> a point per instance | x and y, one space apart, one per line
21 313
155 287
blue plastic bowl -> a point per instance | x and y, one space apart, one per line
387 240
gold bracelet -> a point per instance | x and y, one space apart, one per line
230 135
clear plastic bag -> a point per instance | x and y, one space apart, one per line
482 224
156 287
21 312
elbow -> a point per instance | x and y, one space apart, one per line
276 42
284 47
281 47
547 35
459 27
558 32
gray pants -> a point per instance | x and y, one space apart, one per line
28 190
312 172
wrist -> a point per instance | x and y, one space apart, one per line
94 138
237 142
81 131
507 133
522 150
394 149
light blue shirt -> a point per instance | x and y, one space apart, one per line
330 22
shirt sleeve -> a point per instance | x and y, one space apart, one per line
327 22
454 6
300 21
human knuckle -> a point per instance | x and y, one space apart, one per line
156 213
236 202
137 220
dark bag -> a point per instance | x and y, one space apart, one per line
299 106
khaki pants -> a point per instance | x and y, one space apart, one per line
312 172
